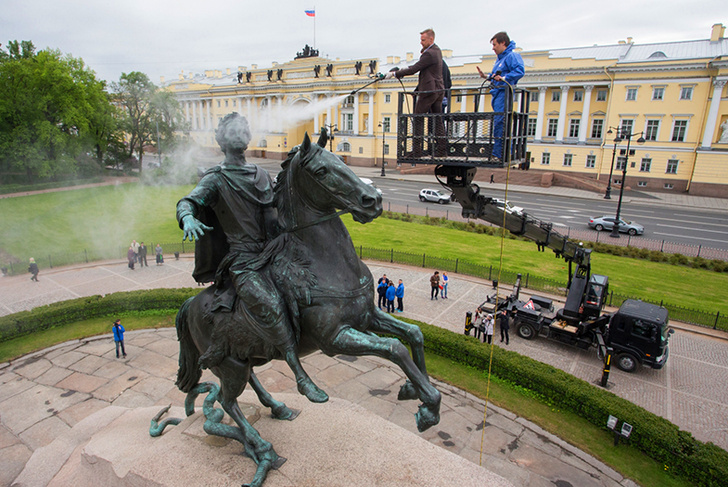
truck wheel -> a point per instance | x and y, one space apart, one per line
526 331
626 362
598 228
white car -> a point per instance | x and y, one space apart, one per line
514 210
434 195
371 183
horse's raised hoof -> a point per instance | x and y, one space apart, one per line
285 413
427 417
407 391
312 391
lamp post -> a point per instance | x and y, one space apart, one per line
608 193
383 147
622 134
330 129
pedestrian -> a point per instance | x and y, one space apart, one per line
135 247
382 291
399 293
33 269
131 256
391 292
143 255
491 178
443 288
434 285
504 325
158 253
488 324
119 337
479 325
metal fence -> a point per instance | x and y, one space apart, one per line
583 234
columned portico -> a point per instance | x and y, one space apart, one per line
562 114
584 123
541 111
713 113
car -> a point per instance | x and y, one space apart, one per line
371 183
607 223
435 195
501 203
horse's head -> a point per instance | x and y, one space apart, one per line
326 184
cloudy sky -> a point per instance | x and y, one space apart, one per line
165 37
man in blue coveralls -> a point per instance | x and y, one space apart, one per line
507 70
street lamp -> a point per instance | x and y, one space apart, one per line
608 194
330 129
622 134
383 147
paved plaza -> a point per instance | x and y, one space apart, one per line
44 394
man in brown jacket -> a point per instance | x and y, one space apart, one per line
430 90
434 285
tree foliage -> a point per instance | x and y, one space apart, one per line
51 110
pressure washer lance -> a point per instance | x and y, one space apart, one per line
377 77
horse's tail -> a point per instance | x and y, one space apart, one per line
189 372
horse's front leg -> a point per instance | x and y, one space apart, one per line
385 323
278 409
353 342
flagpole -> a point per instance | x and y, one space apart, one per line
314 26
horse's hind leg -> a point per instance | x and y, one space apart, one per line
277 408
353 342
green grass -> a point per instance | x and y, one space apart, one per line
566 425
109 217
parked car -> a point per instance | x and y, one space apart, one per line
371 183
501 203
435 195
607 223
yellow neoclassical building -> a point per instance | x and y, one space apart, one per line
672 94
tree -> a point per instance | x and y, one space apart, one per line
47 107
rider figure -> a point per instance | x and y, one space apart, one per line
232 207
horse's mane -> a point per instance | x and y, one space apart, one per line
282 196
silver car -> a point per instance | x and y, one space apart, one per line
434 195
607 223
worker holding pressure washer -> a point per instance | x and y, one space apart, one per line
430 90
507 70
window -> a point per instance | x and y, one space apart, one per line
226 103
678 130
578 95
546 158
349 100
668 186
645 164
631 94
348 122
386 149
361 150
552 127
567 159
574 127
642 184
534 96
387 98
658 92
591 161
346 147
386 124
671 166
686 93
556 95
597 126
531 127
218 103
601 95
621 161
625 128
651 130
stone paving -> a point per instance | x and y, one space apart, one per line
44 394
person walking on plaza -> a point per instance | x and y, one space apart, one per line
158 253
443 289
399 294
143 255
119 337
33 269
391 292
434 285
504 325
130 256
488 322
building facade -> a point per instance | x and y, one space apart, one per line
672 94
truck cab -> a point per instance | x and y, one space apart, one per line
638 333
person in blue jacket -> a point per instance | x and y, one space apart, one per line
391 291
399 294
119 337
507 70
382 291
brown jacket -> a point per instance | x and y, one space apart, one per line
435 280
430 68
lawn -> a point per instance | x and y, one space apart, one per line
109 217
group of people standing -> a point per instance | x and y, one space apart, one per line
387 292
486 327
137 253
438 285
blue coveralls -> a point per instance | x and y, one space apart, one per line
510 65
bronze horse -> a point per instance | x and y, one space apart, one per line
329 294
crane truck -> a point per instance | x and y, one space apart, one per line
637 333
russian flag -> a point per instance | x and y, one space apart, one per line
310 13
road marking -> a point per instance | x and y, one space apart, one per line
693 228
691 238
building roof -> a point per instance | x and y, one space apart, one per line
638 53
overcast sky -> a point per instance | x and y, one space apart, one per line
165 37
